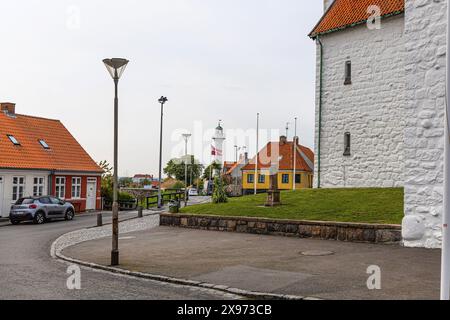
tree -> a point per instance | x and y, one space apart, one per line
213 167
175 168
126 182
219 195
106 167
107 179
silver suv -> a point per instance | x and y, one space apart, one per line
40 209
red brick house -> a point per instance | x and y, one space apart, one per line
39 156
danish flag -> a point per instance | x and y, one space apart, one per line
215 151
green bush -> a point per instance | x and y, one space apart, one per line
219 194
178 185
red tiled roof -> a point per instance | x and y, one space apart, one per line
345 13
65 153
284 157
228 164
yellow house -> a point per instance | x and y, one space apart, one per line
279 158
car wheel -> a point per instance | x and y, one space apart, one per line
69 215
39 218
15 222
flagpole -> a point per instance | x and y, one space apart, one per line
295 157
257 154
445 267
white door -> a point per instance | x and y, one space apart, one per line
1 196
91 194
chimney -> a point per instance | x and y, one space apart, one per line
8 107
283 140
327 4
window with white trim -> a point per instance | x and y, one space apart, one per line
60 187
18 188
76 187
38 186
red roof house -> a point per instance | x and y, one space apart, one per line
38 157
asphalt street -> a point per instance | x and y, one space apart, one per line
27 271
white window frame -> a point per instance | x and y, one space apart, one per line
76 187
38 186
18 189
60 187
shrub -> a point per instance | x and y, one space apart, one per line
178 185
219 195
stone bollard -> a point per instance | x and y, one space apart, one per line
99 220
140 212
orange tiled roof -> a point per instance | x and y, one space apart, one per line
228 164
65 153
285 157
346 13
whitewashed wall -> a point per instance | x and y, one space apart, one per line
371 108
7 184
425 32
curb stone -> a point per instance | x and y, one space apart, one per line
55 252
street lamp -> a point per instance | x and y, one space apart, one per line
186 137
115 67
162 101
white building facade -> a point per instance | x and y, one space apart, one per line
15 184
380 107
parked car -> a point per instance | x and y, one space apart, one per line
193 192
41 209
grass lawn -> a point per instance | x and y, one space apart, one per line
345 205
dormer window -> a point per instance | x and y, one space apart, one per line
44 144
348 72
13 140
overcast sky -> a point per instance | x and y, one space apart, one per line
213 59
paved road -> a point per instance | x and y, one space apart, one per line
27 270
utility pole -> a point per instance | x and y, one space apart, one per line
445 268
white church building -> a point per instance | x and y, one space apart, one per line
380 104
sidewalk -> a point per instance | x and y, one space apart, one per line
273 264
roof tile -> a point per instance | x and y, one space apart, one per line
345 13
65 153
284 157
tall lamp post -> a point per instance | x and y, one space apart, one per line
115 67
186 137
236 151
162 101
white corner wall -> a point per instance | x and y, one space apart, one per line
425 40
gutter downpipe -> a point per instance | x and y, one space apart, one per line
319 134
445 261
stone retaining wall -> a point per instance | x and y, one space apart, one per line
355 232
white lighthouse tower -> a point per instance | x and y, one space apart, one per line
218 140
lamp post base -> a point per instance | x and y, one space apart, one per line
114 257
